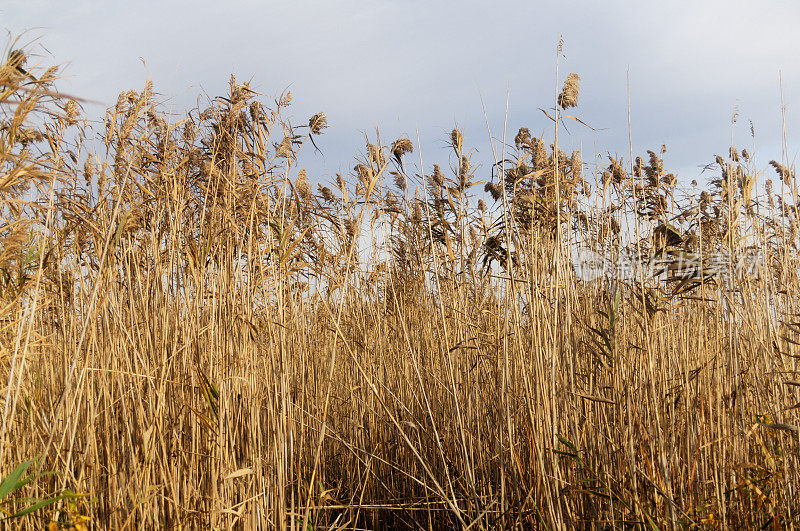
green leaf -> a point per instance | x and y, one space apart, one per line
37 506
566 442
13 481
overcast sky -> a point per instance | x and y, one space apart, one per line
424 67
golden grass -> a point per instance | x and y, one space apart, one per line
193 337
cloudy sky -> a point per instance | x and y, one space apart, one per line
422 67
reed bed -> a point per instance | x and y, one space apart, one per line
194 332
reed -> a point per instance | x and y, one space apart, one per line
196 332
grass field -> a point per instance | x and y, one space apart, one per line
195 333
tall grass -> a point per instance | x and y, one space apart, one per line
195 335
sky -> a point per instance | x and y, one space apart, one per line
419 68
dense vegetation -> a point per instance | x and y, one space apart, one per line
194 334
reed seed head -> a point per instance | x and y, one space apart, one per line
402 146
457 140
523 137
317 123
285 148
375 154
576 164
494 189
785 174
399 180
17 59
569 94
327 194
301 185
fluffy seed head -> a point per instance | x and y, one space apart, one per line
148 89
364 173
401 147
350 227
317 123
241 93
784 173
494 189
569 94
437 178
391 199
284 149
399 180
375 154
301 185
26 135
17 59
88 171
539 156
417 215
189 131
523 137
71 111
463 172
255 110
457 140
576 164
327 194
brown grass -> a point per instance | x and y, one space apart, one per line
193 337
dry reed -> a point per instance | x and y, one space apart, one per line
191 337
